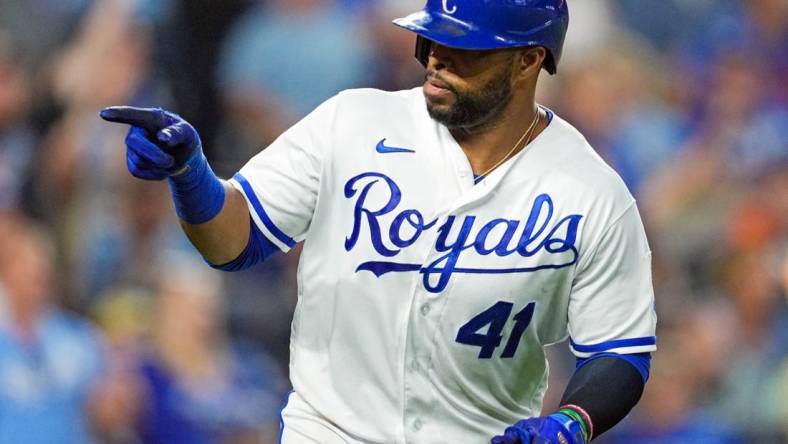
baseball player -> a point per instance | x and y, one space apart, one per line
450 233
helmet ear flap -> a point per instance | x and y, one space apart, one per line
549 63
423 48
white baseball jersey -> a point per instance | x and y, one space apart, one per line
425 300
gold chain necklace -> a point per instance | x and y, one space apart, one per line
529 132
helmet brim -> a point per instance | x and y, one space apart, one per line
451 32
454 33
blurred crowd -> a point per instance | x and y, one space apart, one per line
112 330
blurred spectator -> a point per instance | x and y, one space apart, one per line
756 28
124 317
195 385
593 30
39 27
286 42
668 24
395 66
740 139
17 137
668 412
49 359
285 57
122 248
203 387
749 393
634 129
105 221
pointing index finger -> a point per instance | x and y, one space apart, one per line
150 119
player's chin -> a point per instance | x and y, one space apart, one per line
439 105
438 111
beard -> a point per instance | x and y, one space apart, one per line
475 108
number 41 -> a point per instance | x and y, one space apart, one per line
496 317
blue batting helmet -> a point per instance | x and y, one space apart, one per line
490 24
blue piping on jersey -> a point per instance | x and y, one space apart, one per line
281 419
549 114
609 345
258 208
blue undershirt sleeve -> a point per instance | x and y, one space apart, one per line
258 249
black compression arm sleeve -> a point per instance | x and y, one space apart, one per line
607 389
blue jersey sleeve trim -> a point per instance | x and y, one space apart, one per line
258 208
610 345
641 362
257 250
281 419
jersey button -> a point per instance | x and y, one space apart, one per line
417 425
425 309
414 365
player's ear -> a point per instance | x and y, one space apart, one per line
530 60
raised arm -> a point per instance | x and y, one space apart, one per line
161 145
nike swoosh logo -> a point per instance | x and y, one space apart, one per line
383 149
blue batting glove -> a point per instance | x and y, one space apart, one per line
159 144
514 436
554 429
